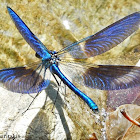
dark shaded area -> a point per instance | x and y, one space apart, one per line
38 129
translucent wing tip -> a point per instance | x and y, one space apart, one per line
9 9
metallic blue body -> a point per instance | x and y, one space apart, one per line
54 68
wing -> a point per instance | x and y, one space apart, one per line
31 39
112 77
24 79
104 40
103 77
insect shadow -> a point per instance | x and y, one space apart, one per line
40 123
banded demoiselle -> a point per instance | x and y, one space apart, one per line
35 78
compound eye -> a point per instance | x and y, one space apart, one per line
53 52
37 55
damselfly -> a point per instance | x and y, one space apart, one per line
33 79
